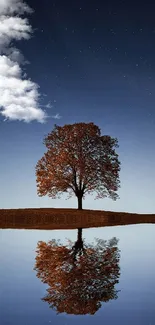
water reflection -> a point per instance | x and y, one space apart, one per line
80 276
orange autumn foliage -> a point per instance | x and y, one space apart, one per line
78 286
79 160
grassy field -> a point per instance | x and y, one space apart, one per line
51 218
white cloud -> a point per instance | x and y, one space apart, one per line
57 116
49 105
19 97
15 55
13 28
8 7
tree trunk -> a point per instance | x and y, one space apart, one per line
79 202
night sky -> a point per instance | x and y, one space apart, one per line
93 62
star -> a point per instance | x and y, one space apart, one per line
112 31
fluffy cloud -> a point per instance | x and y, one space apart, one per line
8 7
19 97
13 28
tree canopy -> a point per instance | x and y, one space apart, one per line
79 160
78 285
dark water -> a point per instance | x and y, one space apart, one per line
111 282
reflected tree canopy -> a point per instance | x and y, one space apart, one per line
80 276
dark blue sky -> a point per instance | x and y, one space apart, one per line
93 62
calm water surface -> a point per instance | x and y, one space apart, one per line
111 282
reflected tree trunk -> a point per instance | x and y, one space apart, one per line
78 246
79 235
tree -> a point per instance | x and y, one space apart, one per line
78 161
78 285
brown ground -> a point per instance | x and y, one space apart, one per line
52 218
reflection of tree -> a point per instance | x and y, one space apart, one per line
80 277
78 248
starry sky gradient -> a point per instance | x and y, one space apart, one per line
94 63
